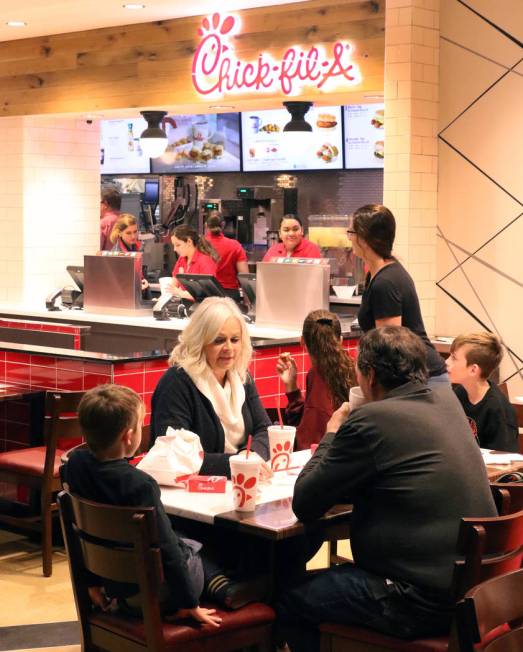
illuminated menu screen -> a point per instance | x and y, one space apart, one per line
200 143
364 135
120 151
264 146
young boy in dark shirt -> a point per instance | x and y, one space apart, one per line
473 357
111 419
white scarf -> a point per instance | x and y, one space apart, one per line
227 402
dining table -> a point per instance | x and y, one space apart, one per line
273 517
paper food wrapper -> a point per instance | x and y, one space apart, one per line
173 458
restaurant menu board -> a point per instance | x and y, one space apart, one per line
364 135
120 151
200 143
264 146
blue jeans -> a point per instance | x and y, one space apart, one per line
349 595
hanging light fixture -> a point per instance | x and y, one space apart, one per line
297 122
153 140
297 133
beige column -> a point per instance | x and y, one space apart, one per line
49 203
411 161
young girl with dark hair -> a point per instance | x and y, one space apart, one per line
390 297
328 381
195 255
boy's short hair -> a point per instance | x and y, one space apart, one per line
483 349
105 412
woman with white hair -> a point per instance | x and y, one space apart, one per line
208 390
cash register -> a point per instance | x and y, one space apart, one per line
70 297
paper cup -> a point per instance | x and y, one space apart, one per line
356 398
281 445
245 473
165 284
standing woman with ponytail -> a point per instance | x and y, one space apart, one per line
329 379
195 256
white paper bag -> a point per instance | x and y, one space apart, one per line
173 457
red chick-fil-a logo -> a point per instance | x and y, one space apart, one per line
216 70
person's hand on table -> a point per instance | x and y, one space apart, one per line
265 467
338 417
288 371
200 614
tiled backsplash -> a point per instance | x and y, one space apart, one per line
62 373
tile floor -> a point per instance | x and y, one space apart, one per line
27 598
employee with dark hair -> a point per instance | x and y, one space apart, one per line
110 203
233 259
195 255
390 297
407 463
293 243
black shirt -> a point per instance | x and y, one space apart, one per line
116 482
391 293
412 471
493 420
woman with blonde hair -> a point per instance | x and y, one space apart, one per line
124 234
124 237
208 390
328 382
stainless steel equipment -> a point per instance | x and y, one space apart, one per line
287 292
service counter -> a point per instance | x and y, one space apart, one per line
120 359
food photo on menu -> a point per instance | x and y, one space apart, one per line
264 146
120 151
364 135
206 143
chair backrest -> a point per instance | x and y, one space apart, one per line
60 425
116 544
489 547
487 607
510 642
514 491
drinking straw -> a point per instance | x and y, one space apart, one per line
279 411
249 442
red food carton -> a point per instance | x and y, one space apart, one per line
210 484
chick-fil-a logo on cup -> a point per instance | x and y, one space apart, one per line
216 70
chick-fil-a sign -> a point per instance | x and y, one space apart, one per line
216 70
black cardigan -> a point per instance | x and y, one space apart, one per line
178 403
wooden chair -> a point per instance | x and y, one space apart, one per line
487 547
118 544
38 468
508 496
486 612
512 641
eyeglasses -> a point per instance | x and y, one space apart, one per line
350 232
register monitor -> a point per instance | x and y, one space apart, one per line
201 286
77 274
248 285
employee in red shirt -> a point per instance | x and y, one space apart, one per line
110 203
293 244
233 259
124 238
195 255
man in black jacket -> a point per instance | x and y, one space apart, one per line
407 463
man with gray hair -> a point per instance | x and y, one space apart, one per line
408 464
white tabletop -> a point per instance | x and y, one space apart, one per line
205 507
